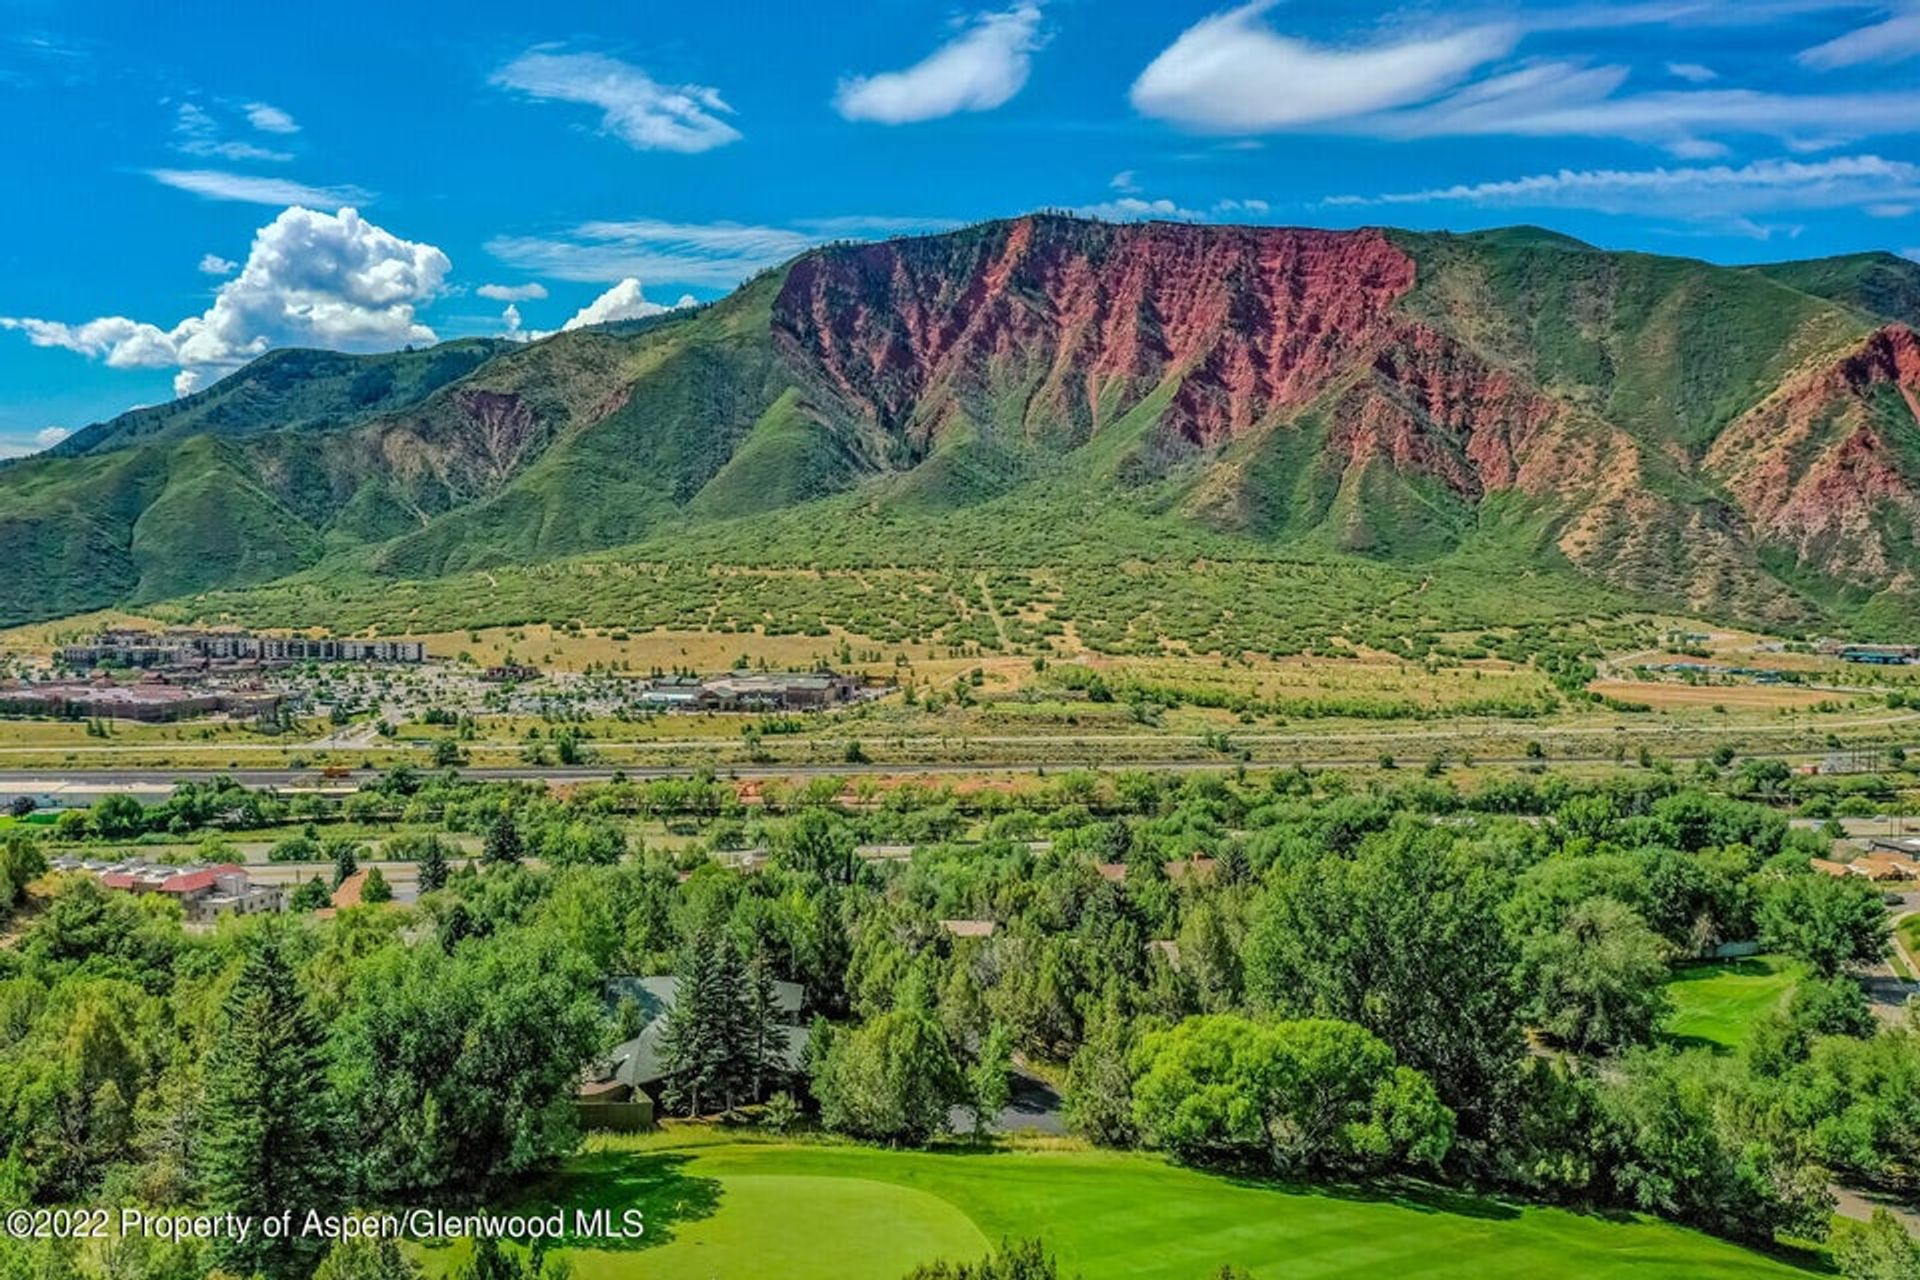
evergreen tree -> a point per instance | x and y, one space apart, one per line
345 861
265 1142
433 866
766 1037
376 889
693 1044
503 843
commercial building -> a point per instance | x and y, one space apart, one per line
751 691
149 700
197 648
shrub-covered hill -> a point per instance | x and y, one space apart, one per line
1743 443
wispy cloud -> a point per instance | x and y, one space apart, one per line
217 184
1232 73
270 119
1716 192
703 254
197 133
978 70
513 292
1894 39
635 108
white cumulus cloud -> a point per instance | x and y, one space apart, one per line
214 265
310 279
635 108
1232 73
1138 209
47 437
531 292
622 302
978 70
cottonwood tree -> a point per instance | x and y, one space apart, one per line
1312 1095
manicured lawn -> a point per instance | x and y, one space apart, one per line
1717 1003
745 1210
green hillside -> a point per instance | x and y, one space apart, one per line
293 388
1041 393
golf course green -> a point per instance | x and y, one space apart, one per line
723 1208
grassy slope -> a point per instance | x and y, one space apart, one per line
1880 284
1717 1004
739 1211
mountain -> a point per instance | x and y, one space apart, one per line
1740 442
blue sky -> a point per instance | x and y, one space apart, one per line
180 172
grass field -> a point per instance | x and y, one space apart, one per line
720 1209
1716 1004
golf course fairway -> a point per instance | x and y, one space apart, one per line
720 1208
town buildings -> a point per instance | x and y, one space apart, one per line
205 893
750 691
135 648
148 700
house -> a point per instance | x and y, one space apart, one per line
1907 847
510 671
1882 866
1828 867
204 893
621 1089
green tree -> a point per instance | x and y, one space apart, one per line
704 1051
266 1137
503 844
1012 1260
1369 938
432 865
892 1079
1830 922
310 896
375 889
352 1259
1310 1095
1098 1103
1687 1136
346 860
819 843
1879 1249
991 1080
1596 983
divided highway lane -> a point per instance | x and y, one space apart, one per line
85 784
